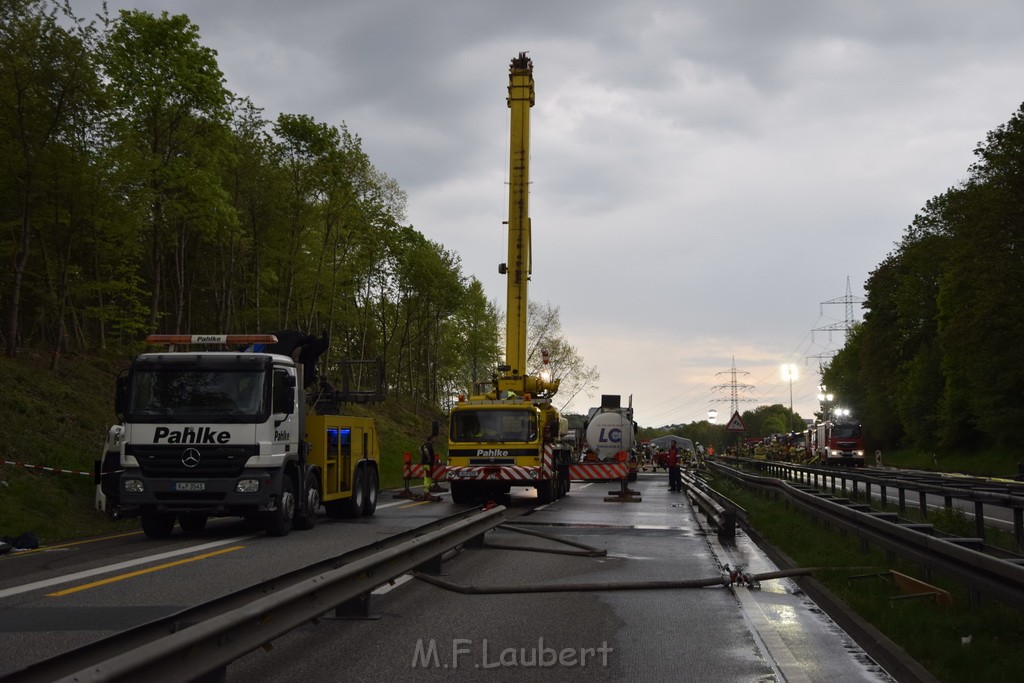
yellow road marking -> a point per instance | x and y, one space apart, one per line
129 575
412 505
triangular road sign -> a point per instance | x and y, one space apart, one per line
735 423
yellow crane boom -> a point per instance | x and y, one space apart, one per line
519 267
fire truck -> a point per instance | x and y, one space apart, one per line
507 432
249 432
837 443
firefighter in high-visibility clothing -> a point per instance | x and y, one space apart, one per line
427 459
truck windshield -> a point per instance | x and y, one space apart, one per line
208 394
846 432
493 425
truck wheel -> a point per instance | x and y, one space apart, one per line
352 506
546 491
157 524
110 476
306 519
192 523
370 502
280 521
461 493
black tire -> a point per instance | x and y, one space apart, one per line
110 477
562 481
193 522
157 524
306 518
546 491
279 523
370 501
462 493
350 507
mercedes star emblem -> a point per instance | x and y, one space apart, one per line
190 458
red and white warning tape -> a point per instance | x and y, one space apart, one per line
56 470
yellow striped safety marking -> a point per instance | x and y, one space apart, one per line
140 572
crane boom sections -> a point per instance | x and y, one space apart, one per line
507 432
520 100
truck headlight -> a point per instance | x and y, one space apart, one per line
247 486
133 486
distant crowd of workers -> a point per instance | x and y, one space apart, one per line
650 455
776 449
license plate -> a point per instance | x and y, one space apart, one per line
190 486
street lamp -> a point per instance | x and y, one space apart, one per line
826 399
789 372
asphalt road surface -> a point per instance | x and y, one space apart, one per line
57 598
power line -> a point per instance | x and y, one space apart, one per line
845 326
734 386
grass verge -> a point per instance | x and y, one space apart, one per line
996 464
933 635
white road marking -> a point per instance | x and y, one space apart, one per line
67 578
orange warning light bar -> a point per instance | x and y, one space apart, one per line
232 339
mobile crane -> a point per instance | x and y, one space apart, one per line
507 433
238 433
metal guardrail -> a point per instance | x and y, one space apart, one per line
720 512
983 574
208 637
978 492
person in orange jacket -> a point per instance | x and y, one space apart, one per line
675 479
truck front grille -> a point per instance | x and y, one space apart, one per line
209 461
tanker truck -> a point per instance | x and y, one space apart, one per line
611 433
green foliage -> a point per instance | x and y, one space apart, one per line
49 96
936 362
760 422
767 420
138 194
162 202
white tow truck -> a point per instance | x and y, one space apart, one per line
231 433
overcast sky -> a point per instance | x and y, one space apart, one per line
704 174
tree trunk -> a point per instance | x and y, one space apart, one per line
20 263
64 297
154 299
